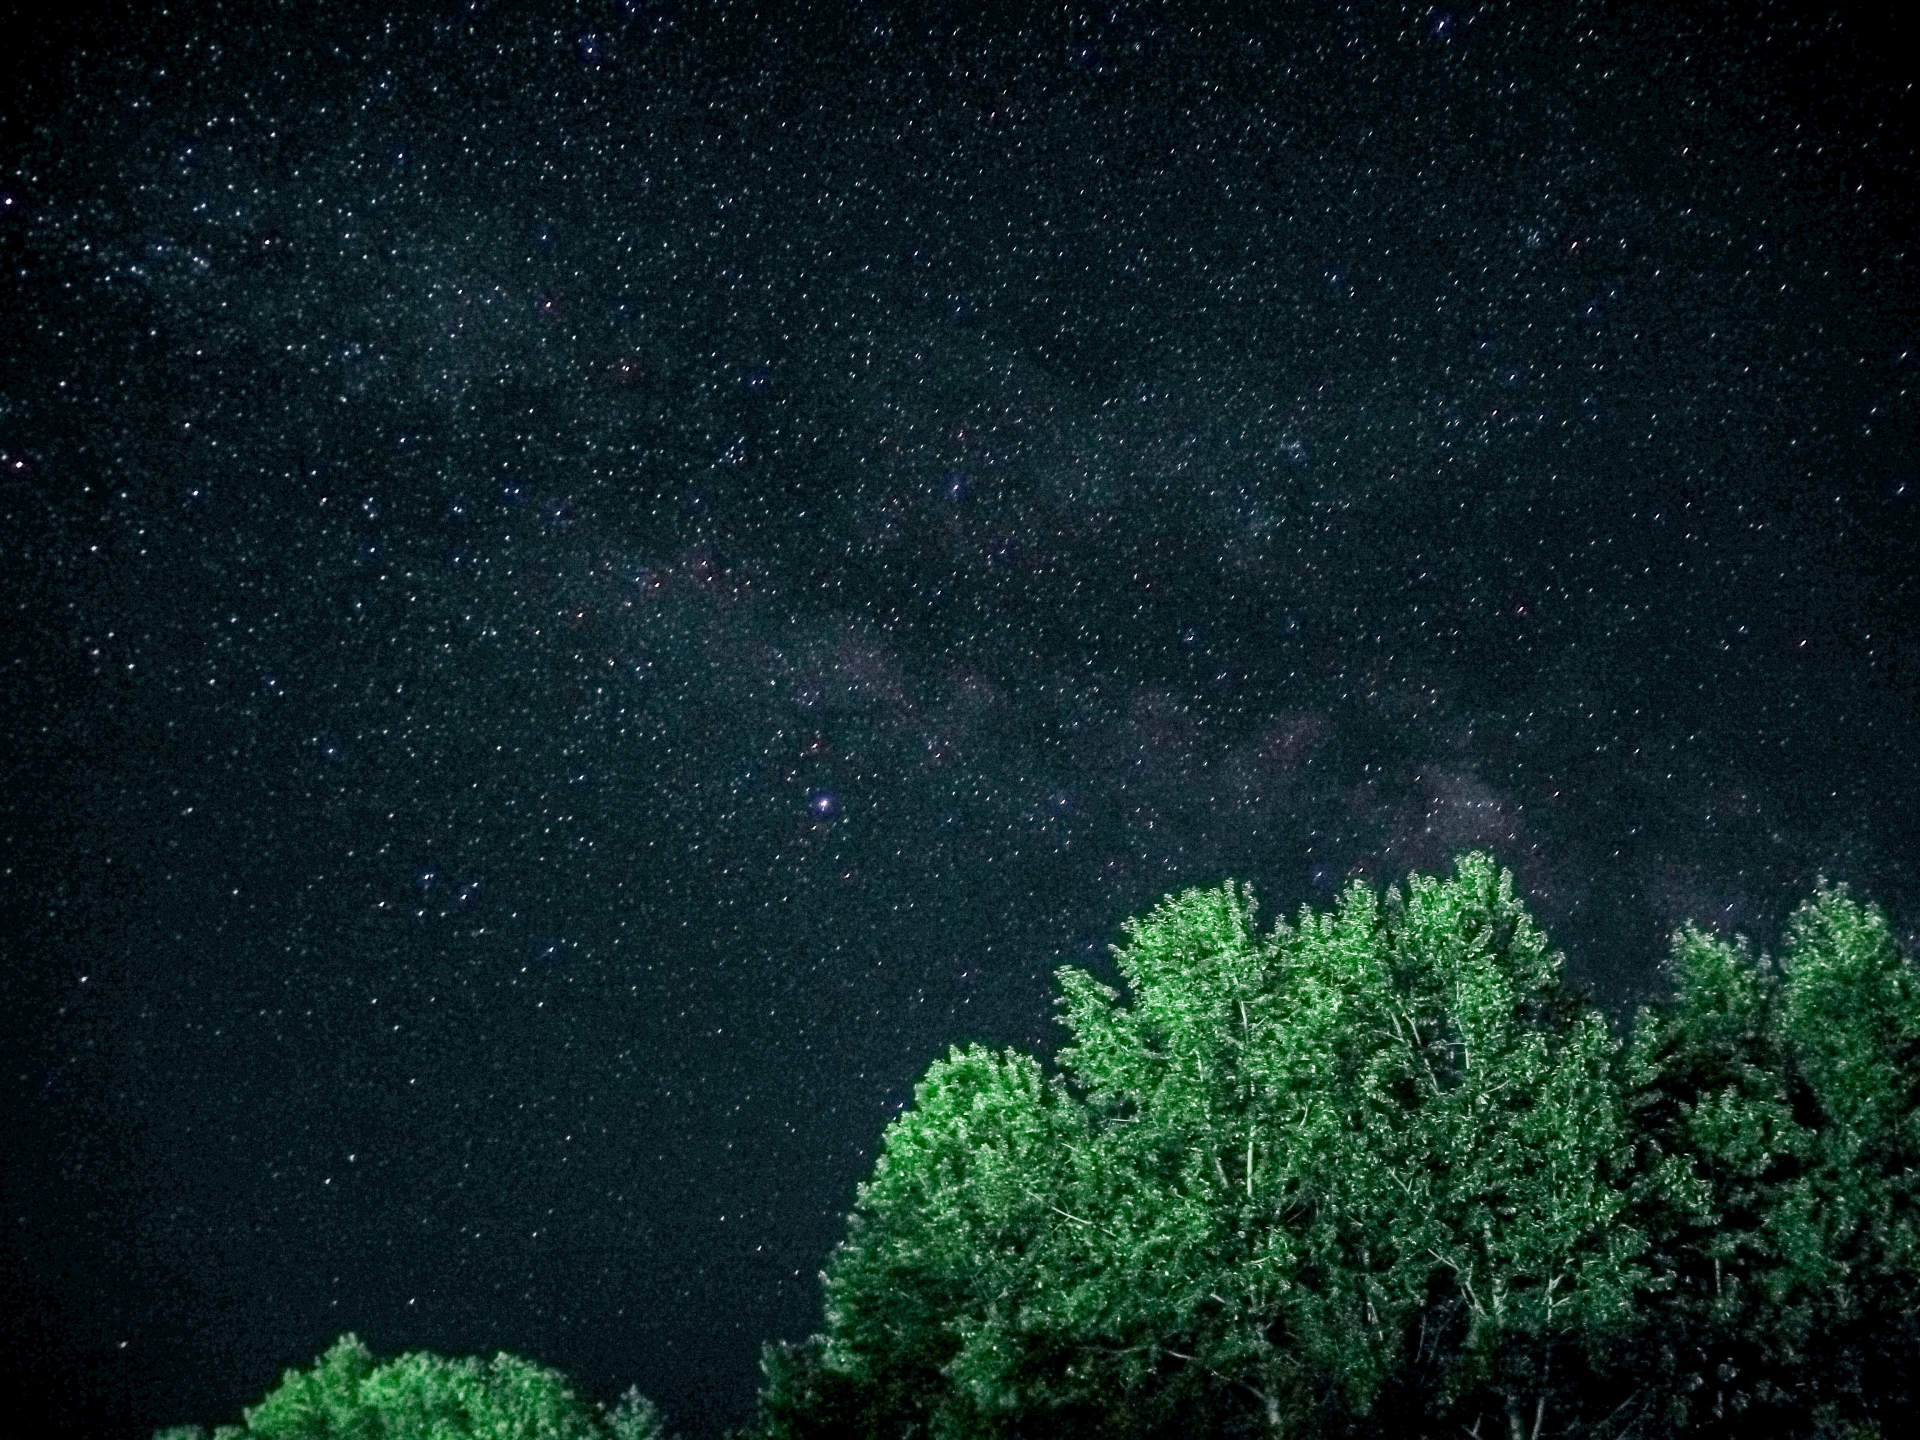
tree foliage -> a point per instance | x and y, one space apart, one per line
1383 1170
348 1395
1779 1139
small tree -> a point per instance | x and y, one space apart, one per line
635 1417
347 1395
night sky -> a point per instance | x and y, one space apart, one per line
588 587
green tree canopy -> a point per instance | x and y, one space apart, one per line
1274 1179
348 1395
1778 1155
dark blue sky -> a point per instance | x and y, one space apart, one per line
587 587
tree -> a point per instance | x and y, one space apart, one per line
1280 1183
934 1299
347 1395
1451 1137
1776 1122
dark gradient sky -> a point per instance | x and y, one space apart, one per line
587 587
